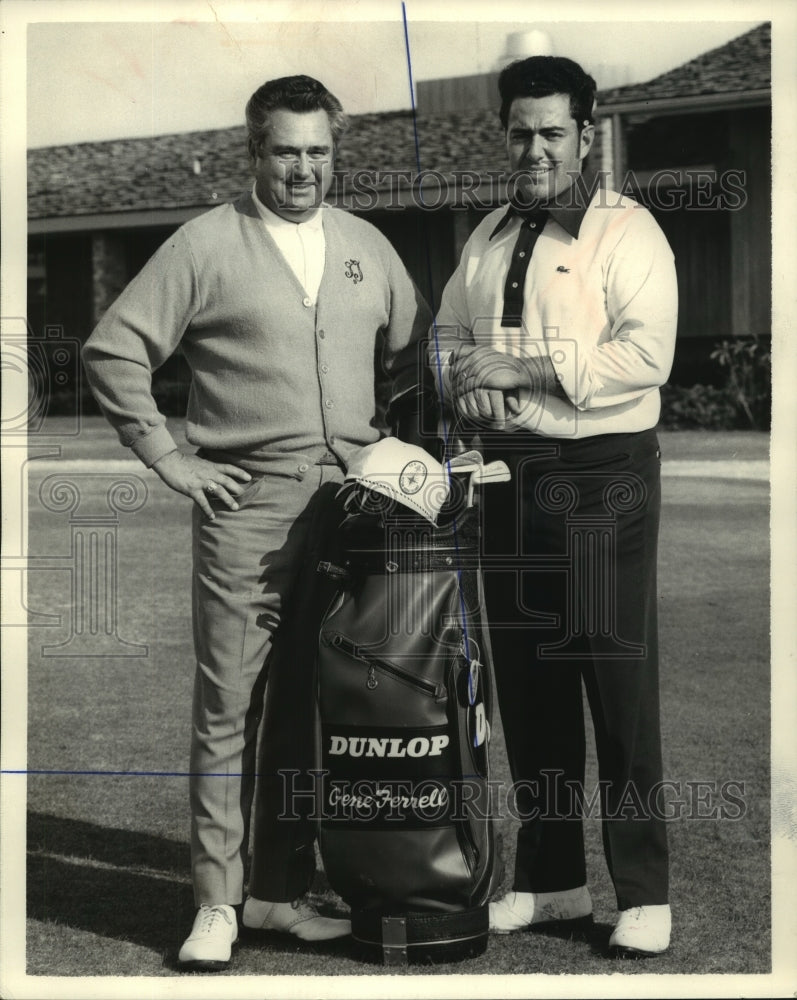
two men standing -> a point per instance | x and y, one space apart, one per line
552 337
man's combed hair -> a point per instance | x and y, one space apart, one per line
541 76
290 93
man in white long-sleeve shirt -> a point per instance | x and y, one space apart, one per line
292 317
552 339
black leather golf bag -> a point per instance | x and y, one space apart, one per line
405 695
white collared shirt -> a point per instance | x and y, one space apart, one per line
602 306
302 244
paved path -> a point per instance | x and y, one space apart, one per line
700 469
718 469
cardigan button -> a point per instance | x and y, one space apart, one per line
303 467
328 404
321 334
307 301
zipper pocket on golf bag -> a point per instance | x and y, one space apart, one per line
467 848
375 663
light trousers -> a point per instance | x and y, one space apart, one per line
251 567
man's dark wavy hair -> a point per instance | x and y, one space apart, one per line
541 76
292 93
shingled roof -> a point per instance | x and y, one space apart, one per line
740 66
199 169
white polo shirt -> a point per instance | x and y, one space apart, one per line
599 299
302 244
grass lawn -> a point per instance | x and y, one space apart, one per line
108 868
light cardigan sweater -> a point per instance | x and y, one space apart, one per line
277 380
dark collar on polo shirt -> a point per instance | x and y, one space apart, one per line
568 208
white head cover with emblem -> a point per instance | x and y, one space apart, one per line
404 472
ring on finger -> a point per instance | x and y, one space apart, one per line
211 487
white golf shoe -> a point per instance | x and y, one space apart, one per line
518 911
208 948
642 931
298 918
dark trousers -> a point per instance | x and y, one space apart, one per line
570 580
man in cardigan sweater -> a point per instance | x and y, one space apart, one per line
290 314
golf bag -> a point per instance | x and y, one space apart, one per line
405 696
